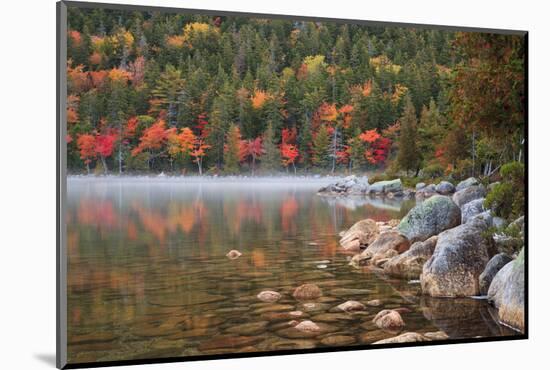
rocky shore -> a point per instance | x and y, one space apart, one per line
353 185
447 241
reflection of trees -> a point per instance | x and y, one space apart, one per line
288 211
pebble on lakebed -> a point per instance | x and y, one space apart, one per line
269 296
233 254
307 291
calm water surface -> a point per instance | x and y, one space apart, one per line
148 276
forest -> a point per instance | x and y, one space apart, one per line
152 92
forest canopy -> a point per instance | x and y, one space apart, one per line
188 93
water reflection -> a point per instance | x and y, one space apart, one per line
148 276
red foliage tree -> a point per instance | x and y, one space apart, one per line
289 153
86 148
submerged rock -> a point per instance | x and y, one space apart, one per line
404 338
468 194
338 340
388 320
429 218
233 254
351 306
374 303
361 234
307 326
507 293
220 342
269 296
307 291
252 328
493 267
459 258
409 264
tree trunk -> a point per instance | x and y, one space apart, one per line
253 164
88 167
104 162
473 153
199 164
334 149
294 166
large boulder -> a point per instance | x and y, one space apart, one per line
420 185
383 187
471 209
385 246
361 234
461 197
445 187
429 218
472 181
493 267
459 258
409 264
507 293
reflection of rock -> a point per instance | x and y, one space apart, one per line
388 320
307 291
269 296
429 218
459 258
233 254
361 234
385 246
507 293
409 264
493 266
460 317
354 202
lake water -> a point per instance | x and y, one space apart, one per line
148 276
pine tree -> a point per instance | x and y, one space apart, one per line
271 160
408 155
231 155
321 143
304 142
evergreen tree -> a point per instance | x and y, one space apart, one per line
320 147
408 155
271 160
232 150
